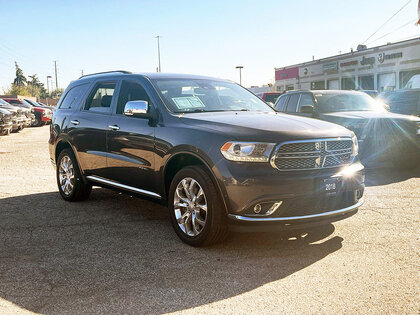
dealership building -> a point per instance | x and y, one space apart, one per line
382 68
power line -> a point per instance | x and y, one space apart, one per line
387 21
398 28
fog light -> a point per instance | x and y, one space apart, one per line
257 208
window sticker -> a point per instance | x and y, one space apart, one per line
188 102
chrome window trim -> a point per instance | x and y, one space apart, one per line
303 217
122 186
275 151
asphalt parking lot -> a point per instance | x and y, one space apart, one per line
115 254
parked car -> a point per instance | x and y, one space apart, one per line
269 97
216 154
403 101
18 115
41 115
5 121
414 82
26 109
45 116
382 135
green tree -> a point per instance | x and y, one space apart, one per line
20 79
36 88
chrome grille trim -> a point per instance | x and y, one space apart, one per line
327 150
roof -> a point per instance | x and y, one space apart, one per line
150 75
327 91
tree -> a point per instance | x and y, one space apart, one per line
36 88
20 79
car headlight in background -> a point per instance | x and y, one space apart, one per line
247 151
355 146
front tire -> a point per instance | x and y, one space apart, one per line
195 208
70 182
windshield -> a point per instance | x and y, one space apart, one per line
329 102
202 95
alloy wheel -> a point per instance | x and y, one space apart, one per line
66 175
190 206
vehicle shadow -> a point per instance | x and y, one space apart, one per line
389 175
118 254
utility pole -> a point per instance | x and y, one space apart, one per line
240 73
55 67
159 68
82 72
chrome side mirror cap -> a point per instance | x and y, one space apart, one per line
136 108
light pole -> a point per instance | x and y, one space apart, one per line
158 37
240 73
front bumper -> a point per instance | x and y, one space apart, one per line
298 193
6 127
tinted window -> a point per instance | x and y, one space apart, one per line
292 103
306 99
131 91
272 97
281 102
73 97
14 102
101 97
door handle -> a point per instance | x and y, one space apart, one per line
114 127
75 122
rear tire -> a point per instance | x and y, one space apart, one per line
70 182
191 191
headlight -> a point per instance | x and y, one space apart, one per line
247 151
418 127
355 146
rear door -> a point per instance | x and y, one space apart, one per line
131 140
89 125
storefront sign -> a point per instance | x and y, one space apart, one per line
290 73
330 66
382 56
367 61
348 63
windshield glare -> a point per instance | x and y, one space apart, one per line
328 102
201 95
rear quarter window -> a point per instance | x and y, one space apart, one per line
73 97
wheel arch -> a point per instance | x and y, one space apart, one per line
183 159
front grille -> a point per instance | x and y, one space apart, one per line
312 154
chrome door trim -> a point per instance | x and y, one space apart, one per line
303 217
122 186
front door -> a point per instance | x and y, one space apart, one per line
131 142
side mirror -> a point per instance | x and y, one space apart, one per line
307 109
136 109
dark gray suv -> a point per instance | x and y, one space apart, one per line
216 154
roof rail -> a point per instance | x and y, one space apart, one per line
121 71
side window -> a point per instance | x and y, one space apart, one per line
73 97
101 97
292 103
281 102
306 99
130 91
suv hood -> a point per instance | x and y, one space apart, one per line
266 127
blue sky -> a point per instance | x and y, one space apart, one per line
199 37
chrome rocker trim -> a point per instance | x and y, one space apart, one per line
303 217
122 186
